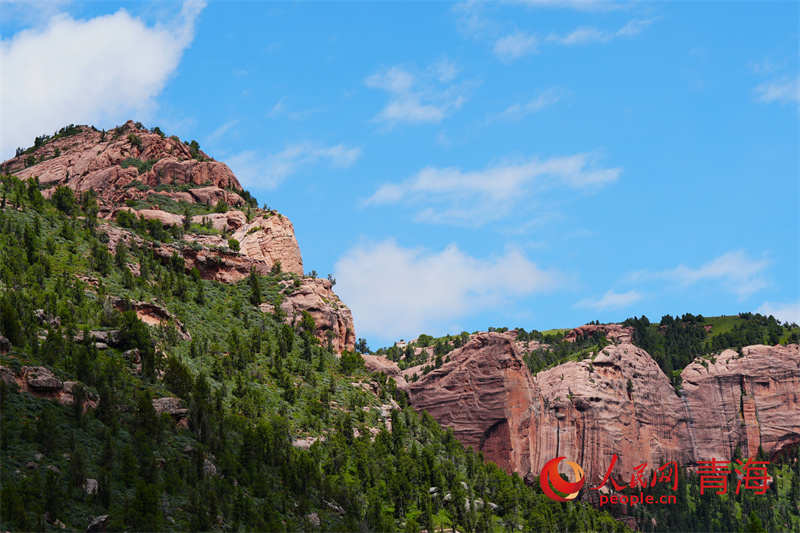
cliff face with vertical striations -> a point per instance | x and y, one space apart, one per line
586 411
485 394
746 401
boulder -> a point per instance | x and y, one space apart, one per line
40 379
171 406
90 486
98 525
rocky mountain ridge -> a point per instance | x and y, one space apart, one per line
130 166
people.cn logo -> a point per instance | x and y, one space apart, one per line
550 476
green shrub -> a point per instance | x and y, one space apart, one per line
64 200
135 140
141 166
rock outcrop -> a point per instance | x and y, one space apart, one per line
614 332
374 363
151 314
333 319
42 383
166 218
90 159
269 239
588 410
173 407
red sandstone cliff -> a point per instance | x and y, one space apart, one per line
584 410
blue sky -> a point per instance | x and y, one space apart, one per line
457 166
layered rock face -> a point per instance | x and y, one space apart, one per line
262 241
485 393
745 401
90 159
333 319
587 412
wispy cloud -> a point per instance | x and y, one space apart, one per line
783 91
612 300
282 109
543 99
582 5
218 133
270 171
518 44
451 195
767 66
589 35
108 69
785 312
734 272
426 97
400 292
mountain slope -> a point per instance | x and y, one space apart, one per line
149 383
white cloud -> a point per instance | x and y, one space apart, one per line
399 292
272 170
516 45
520 43
426 97
542 100
102 70
784 91
588 35
788 313
734 271
450 195
612 300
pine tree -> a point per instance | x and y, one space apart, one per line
255 287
